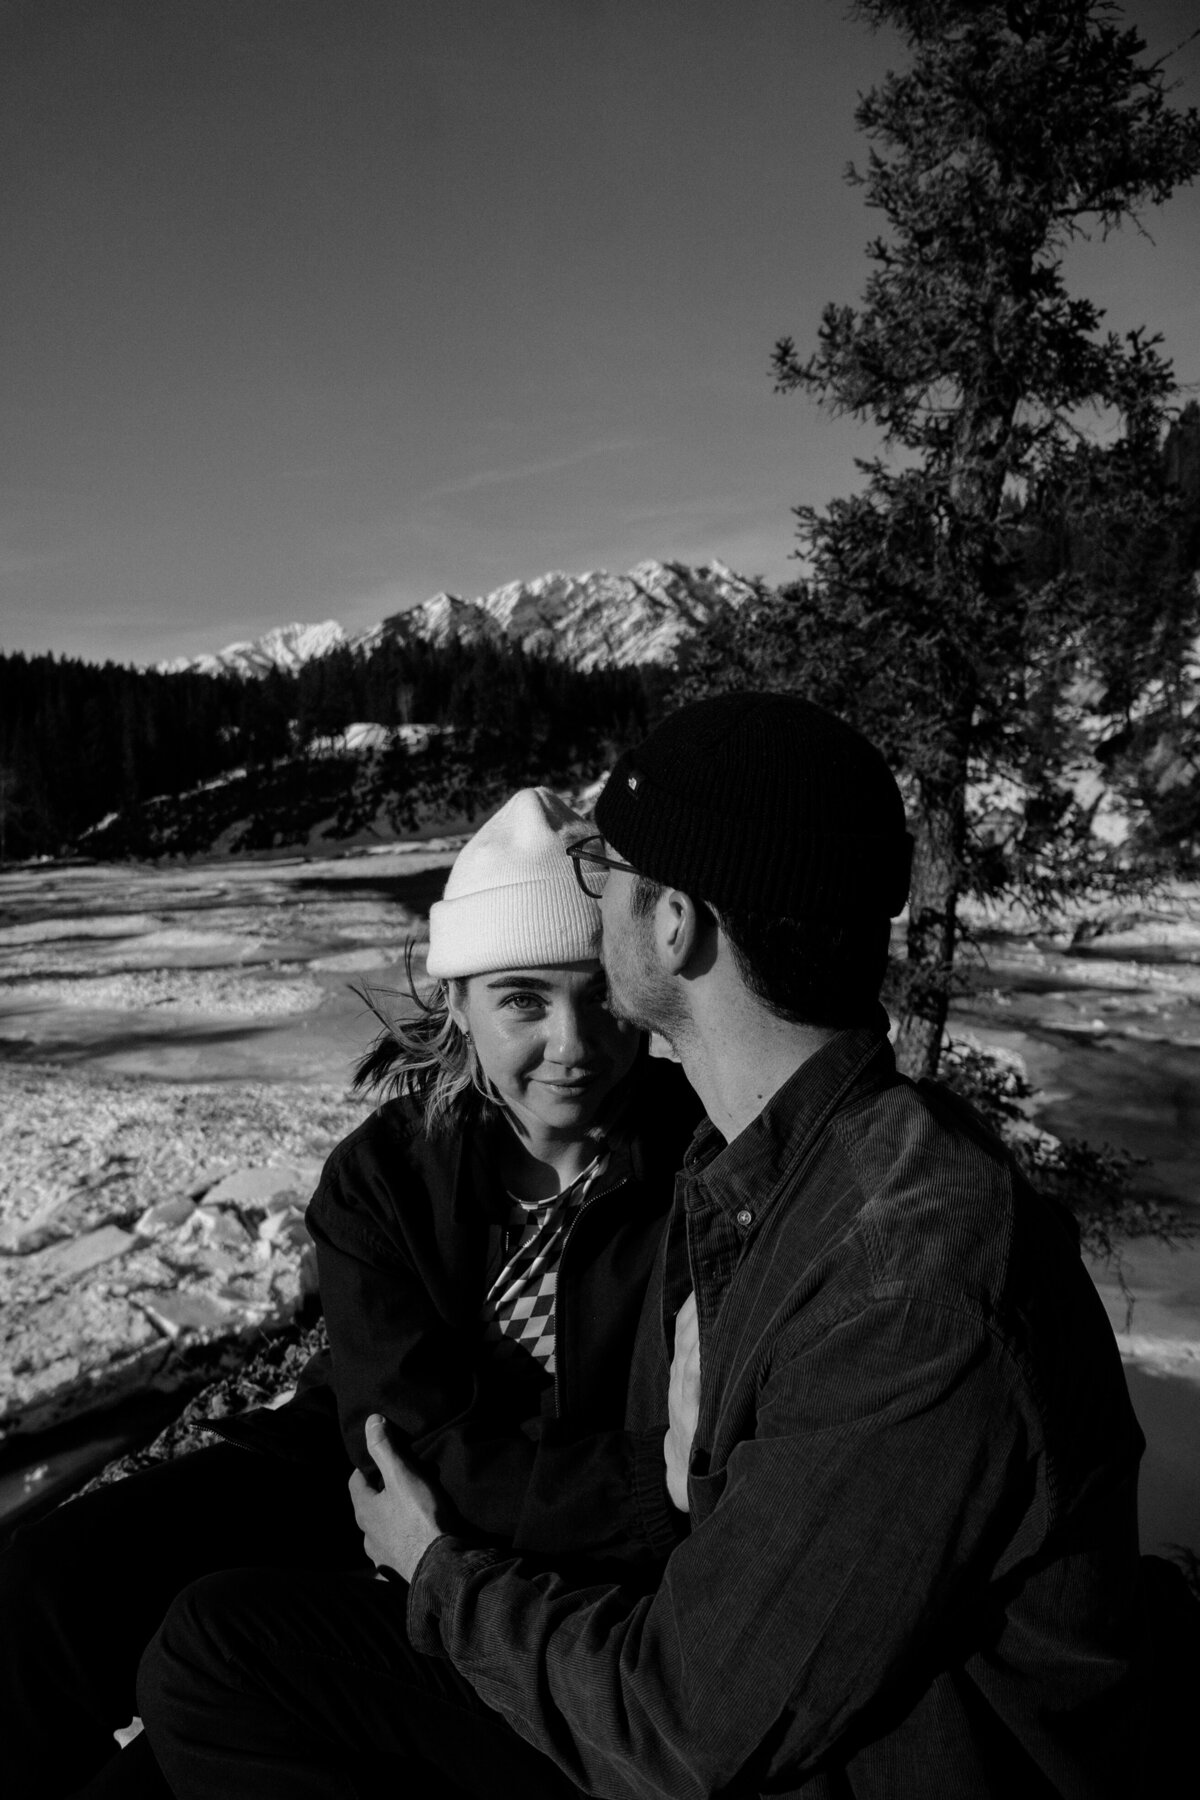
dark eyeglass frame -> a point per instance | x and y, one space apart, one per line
582 852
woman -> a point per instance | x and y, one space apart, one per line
484 1241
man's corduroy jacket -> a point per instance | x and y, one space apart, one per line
912 1564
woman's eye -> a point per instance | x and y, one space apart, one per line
525 1003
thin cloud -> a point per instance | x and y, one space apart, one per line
495 477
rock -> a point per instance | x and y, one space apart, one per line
214 1229
76 1255
62 1388
86 1318
285 1202
254 1187
1026 1132
207 1178
307 1275
21 1237
186 1310
285 1228
164 1217
263 1375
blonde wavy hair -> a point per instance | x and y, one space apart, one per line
426 1056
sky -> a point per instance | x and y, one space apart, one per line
315 308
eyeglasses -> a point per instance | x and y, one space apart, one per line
588 854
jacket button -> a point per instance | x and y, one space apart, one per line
745 1217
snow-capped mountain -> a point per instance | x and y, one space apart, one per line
284 648
446 619
592 621
589 620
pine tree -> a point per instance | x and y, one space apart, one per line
1016 128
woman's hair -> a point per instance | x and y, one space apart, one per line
426 1056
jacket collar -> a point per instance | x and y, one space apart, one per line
747 1174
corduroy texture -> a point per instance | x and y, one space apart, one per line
762 803
512 900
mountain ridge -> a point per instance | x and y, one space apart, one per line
593 620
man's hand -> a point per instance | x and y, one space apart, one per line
400 1521
683 1401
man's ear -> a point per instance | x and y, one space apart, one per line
679 926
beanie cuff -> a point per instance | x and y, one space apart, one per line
524 925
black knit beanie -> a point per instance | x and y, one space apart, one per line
762 803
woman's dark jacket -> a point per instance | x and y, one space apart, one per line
409 1235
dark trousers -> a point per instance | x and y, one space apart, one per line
294 1677
83 1590
258 1687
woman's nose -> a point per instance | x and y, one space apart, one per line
569 1041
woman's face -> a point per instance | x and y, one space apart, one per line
547 1042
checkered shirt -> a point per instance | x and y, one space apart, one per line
518 1311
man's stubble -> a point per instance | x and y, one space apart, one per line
638 991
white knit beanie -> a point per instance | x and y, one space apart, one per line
512 900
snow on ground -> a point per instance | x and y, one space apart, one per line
82 1148
165 990
110 1254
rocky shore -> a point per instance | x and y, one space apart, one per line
265 1377
143 1223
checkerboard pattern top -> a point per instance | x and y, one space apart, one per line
518 1311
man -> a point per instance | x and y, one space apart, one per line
912 1560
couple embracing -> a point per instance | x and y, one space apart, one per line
730 1422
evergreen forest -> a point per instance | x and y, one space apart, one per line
96 758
